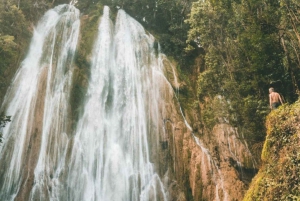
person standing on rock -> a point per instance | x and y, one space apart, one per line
275 99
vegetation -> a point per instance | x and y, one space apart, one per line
278 179
89 28
17 19
13 40
250 45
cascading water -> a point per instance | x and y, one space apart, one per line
37 100
107 157
110 149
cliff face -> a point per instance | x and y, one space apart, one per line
205 165
278 178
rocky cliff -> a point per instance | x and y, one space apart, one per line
278 177
204 164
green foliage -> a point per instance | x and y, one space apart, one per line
14 38
244 56
278 179
13 22
289 31
8 49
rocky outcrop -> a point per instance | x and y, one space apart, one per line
278 178
205 165
212 174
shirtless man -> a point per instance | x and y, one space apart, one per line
275 99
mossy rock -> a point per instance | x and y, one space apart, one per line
88 34
278 178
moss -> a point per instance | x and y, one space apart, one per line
79 88
278 178
254 191
266 150
88 34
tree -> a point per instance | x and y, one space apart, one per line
14 39
244 55
290 39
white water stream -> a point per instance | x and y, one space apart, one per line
37 100
111 144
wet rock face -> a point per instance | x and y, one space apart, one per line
205 166
215 171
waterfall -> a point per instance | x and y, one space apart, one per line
110 157
36 139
